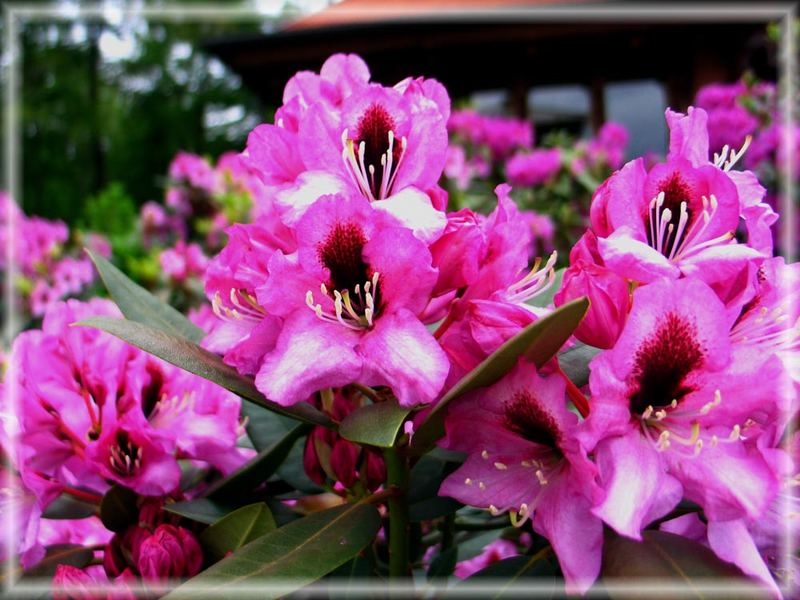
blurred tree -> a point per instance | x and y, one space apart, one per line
113 103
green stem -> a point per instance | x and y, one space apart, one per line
397 476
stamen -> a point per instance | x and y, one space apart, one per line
500 466
540 476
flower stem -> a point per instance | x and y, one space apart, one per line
80 494
575 394
397 476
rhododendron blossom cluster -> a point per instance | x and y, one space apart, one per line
382 379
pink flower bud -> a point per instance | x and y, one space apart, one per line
458 251
310 459
131 541
113 558
161 554
344 459
609 297
72 583
376 470
191 552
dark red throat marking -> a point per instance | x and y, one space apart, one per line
663 362
523 415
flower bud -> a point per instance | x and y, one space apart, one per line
131 542
114 561
72 583
344 457
169 552
458 251
376 470
609 297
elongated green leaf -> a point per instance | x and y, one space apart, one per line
235 530
137 304
191 357
201 510
60 554
508 577
68 507
443 564
265 427
258 470
575 362
538 343
432 508
118 508
669 558
374 424
293 556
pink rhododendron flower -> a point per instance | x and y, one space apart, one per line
526 458
533 168
103 411
677 219
501 135
689 140
350 296
344 134
183 261
669 409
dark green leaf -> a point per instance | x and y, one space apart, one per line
666 557
265 427
538 343
294 555
432 508
374 424
118 509
575 362
505 576
69 507
426 477
137 304
191 357
235 530
60 554
201 510
258 470
443 564
546 298
350 575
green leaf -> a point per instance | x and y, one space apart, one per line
191 357
257 470
432 508
118 509
538 343
575 362
374 424
235 530
546 298
668 558
137 304
294 555
505 574
443 564
69 507
265 427
201 510
60 554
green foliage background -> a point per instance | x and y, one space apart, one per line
89 122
